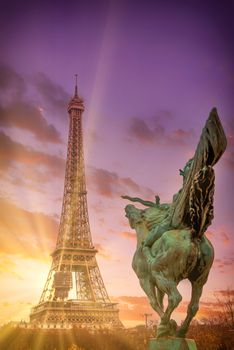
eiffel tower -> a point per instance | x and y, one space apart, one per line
74 292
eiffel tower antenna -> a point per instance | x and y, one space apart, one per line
76 89
74 292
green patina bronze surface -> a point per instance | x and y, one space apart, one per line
172 344
171 241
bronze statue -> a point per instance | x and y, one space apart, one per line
171 241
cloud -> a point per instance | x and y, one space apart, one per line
11 83
53 94
133 186
225 238
26 116
103 252
14 152
226 293
210 234
140 131
221 233
17 109
110 184
224 264
163 115
8 266
133 308
179 137
128 235
104 181
25 233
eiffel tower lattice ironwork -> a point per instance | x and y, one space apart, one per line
74 293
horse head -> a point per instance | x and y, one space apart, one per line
134 215
137 222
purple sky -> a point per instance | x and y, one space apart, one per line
149 73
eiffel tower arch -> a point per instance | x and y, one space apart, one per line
74 292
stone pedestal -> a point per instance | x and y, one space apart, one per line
172 343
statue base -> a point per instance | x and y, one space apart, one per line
172 343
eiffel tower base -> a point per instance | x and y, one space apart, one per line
67 314
172 343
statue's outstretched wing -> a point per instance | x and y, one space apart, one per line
210 148
201 201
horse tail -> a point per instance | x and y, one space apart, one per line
201 201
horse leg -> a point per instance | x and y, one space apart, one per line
167 326
174 298
160 296
207 256
149 290
193 306
140 267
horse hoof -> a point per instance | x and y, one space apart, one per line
167 329
163 331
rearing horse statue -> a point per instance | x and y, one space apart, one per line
171 241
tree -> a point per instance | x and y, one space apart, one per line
225 301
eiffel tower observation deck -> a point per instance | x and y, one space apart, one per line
74 292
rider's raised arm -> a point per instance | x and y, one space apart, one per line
139 200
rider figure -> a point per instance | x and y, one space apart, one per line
157 231
165 225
